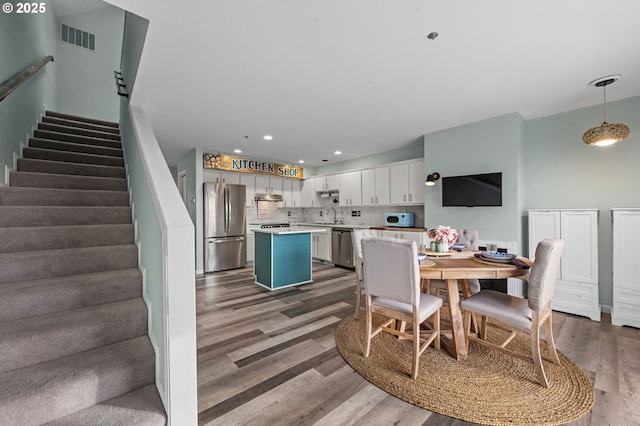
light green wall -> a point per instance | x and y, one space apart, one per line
135 33
487 146
415 150
545 164
86 85
560 171
148 239
147 224
192 164
25 39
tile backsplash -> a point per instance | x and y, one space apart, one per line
369 216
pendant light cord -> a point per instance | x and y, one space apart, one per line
604 106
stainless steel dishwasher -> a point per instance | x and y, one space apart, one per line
341 250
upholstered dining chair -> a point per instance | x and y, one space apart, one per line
356 241
392 289
528 315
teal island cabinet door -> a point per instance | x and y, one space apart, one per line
282 259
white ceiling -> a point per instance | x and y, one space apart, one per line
70 7
362 77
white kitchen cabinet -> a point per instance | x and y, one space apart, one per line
268 185
230 177
416 182
326 183
308 194
296 192
218 176
291 192
251 246
407 183
420 237
577 285
375 187
626 281
321 245
350 189
249 181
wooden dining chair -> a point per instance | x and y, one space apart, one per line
528 315
392 289
468 237
356 241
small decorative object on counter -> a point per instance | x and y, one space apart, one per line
443 237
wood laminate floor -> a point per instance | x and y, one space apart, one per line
269 358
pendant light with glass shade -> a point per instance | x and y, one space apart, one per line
605 134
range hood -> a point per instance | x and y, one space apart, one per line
269 197
329 194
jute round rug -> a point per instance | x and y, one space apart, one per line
489 388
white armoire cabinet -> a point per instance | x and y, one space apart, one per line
626 280
577 285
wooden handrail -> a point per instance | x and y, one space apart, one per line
12 85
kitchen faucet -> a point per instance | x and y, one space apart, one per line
334 214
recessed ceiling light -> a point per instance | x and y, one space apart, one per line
267 137
338 152
237 151
300 161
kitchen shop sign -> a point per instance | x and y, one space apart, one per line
235 164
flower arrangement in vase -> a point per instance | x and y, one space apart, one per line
443 237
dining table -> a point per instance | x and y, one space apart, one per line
455 270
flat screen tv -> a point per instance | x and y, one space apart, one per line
472 190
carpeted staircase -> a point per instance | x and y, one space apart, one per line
74 348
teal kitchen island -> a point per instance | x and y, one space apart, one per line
283 256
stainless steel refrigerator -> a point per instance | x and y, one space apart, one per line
224 227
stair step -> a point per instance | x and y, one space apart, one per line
58 237
48 391
10 196
62 215
67 137
34 265
62 181
78 131
79 124
66 168
69 332
47 296
141 407
81 119
71 157
74 147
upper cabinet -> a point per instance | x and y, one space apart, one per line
577 285
407 183
375 187
291 196
350 189
308 193
249 181
217 176
268 185
325 183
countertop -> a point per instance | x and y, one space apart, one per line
291 230
332 225
398 228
